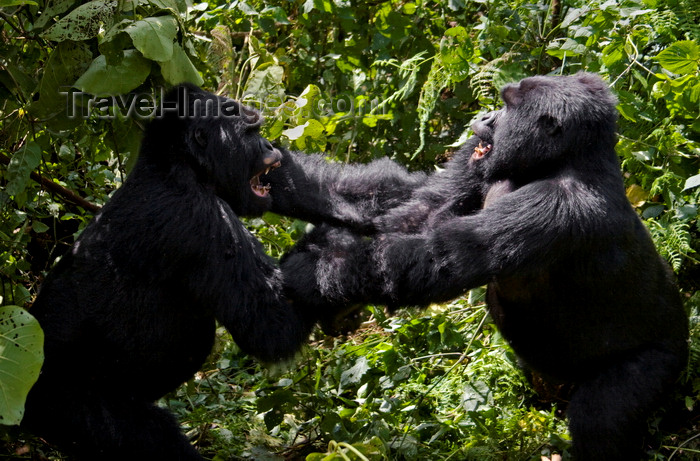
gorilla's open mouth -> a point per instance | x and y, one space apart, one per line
481 150
256 186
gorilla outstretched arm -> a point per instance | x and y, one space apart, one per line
456 190
381 195
308 187
522 232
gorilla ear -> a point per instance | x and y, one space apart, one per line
511 95
200 137
549 124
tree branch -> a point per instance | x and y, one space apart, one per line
67 194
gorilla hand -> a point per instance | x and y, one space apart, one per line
330 269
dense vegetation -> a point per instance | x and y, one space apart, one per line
357 81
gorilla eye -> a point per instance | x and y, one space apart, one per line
200 137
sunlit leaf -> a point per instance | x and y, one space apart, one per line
681 57
82 23
180 69
153 37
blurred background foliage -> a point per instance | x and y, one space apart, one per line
357 81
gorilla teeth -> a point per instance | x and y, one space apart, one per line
256 186
259 189
480 150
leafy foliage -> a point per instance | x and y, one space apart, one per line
21 356
358 81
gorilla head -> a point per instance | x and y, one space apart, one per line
219 139
525 145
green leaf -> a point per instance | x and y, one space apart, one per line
266 80
154 37
53 8
180 69
680 58
67 62
82 23
39 227
102 78
170 5
21 165
354 374
693 181
21 357
5 3
277 14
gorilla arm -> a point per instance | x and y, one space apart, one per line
310 188
251 303
520 230
456 190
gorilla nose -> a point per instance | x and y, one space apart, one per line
488 119
485 125
271 155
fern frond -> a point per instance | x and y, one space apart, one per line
482 81
672 240
408 72
688 12
438 78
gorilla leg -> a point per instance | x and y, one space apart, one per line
607 414
96 428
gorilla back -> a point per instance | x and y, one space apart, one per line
129 312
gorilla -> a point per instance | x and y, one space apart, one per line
129 313
537 212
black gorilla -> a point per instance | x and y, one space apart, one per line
558 244
129 312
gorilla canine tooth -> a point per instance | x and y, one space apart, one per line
480 151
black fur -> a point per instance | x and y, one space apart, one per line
574 281
129 312
310 188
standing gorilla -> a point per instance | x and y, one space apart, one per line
129 312
558 244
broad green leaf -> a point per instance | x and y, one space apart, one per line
180 69
566 49
67 62
277 14
154 37
612 54
23 162
102 78
171 5
82 23
681 57
39 227
53 8
5 3
660 89
21 357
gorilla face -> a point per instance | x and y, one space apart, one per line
534 132
224 147
265 158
